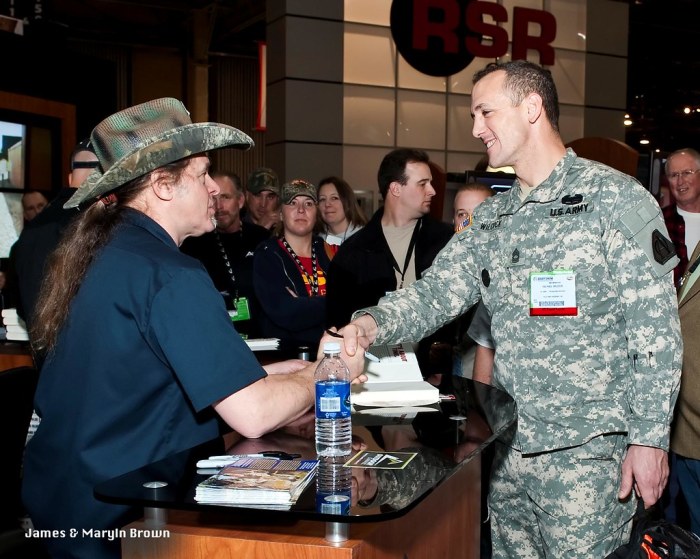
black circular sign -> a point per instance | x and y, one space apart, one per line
431 35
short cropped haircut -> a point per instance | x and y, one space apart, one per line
235 179
523 78
393 167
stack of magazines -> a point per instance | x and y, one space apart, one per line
257 481
15 327
263 344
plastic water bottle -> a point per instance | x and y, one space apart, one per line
333 422
333 485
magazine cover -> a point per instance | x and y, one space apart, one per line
258 481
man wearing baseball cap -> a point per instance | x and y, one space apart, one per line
262 198
141 354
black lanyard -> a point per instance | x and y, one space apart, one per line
313 280
409 254
227 263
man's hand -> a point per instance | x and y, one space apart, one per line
360 333
285 367
270 219
645 468
355 362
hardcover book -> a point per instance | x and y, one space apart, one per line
395 380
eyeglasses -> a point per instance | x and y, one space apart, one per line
685 174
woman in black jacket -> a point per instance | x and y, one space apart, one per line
289 271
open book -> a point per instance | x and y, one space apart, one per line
395 380
257 481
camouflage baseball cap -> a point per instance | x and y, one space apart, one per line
298 187
133 142
261 179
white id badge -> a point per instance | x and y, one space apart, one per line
553 293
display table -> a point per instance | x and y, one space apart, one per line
430 508
15 354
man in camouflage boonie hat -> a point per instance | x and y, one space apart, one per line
262 198
575 268
133 334
140 139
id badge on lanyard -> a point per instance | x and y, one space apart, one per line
553 293
241 310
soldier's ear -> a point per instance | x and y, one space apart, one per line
533 104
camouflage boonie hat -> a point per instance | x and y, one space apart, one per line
261 179
298 187
140 139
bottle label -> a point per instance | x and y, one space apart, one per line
333 503
332 400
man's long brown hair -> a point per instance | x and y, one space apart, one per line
79 246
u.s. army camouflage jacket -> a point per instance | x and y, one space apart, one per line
615 365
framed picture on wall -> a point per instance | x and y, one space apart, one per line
13 141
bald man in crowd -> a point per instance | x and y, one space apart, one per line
40 236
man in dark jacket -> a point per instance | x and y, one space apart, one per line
227 253
41 235
394 248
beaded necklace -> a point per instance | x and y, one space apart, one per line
227 263
313 280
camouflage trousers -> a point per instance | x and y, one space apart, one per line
561 504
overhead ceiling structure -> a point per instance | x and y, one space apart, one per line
663 92
663 66
234 26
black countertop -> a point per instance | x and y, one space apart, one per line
444 439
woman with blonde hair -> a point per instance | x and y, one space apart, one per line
341 215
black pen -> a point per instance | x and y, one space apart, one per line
334 334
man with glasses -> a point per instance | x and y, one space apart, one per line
40 237
683 215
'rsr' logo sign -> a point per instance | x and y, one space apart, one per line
442 37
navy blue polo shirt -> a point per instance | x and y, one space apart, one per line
146 349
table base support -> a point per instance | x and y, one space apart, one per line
337 532
153 516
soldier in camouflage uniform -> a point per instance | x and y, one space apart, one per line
574 266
